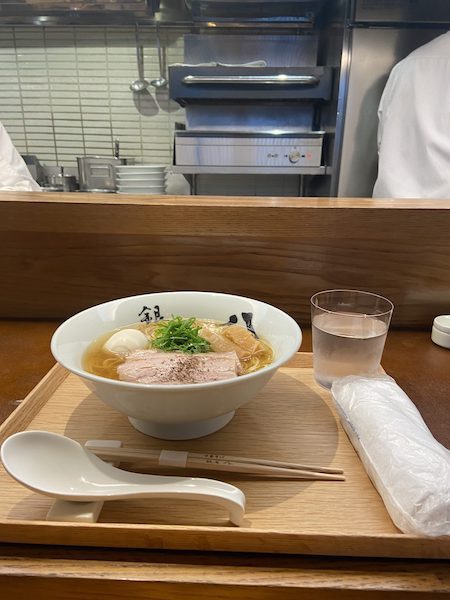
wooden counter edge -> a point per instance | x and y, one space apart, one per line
161 576
232 201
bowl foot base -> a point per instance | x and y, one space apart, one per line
185 431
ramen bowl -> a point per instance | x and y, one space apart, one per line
177 411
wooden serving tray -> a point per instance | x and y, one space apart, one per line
291 419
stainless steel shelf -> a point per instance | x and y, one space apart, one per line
195 170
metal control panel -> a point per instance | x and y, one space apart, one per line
248 151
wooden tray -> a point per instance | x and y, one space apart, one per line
291 419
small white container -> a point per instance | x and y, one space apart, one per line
440 334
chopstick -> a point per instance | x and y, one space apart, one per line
270 463
220 462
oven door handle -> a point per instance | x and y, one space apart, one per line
280 79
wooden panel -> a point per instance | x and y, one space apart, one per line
165 576
60 253
291 419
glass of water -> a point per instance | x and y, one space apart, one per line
349 329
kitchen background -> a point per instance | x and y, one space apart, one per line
65 93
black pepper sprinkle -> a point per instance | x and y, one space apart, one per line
182 368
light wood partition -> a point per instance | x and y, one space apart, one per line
61 253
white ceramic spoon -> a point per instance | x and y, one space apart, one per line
57 466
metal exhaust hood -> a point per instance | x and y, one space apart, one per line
255 11
76 12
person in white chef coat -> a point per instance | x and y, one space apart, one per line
14 174
414 126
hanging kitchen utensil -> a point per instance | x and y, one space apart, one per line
161 81
140 84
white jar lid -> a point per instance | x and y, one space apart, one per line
440 334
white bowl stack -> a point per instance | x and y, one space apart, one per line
141 179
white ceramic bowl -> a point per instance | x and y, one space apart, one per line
183 411
148 186
160 191
141 169
145 178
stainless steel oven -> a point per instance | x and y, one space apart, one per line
252 104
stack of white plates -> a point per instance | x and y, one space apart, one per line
141 179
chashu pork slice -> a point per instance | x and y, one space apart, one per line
148 366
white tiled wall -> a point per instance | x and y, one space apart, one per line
64 92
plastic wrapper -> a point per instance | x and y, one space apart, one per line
408 466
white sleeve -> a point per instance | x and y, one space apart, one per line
14 174
385 100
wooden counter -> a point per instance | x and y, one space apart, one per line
63 252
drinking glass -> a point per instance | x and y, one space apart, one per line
349 329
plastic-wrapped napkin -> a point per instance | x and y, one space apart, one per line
408 466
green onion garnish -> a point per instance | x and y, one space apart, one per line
179 335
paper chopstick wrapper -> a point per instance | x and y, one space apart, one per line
408 466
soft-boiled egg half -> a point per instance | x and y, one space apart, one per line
126 341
